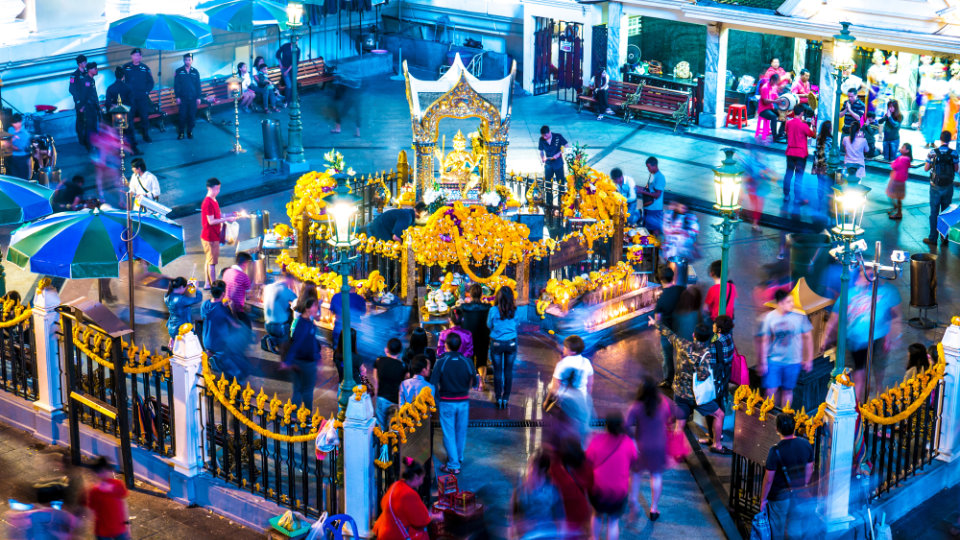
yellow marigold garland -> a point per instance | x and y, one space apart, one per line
917 389
404 422
745 398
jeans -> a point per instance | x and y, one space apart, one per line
601 97
304 380
795 167
666 351
891 149
653 220
774 119
453 421
503 359
383 409
940 199
288 86
553 168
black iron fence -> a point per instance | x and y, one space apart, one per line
289 473
92 355
18 355
902 443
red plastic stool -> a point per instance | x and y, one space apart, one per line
736 115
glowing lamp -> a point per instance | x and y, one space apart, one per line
120 114
233 87
849 201
343 212
294 14
843 48
726 181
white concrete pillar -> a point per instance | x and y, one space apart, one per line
828 85
840 430
12 27
49 375
715 76
358 467
950 416
184 367
616 40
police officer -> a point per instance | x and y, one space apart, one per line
186 88
140 80
119 90
76 80
88 105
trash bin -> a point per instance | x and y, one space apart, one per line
923 280
272 147
810 258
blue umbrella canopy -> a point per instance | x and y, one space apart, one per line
22 201
160 31
90 243
245 15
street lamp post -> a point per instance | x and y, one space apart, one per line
898 257
233 87
726 181
343 211
842 62
120 114
849 201
296 160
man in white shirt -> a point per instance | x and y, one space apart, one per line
628 188
143 182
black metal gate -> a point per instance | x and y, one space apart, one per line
96 395
542 55
570 60
598 54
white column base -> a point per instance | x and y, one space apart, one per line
358 466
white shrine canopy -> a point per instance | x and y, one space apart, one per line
423 93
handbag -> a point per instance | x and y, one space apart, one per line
740 374
704 391
760 526
678 448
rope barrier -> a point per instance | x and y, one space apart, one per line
220 388
918 389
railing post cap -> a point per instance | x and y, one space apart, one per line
951 337
359 412
187 346
841 399
46 299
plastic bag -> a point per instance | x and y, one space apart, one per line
760 527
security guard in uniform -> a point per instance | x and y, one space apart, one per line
186 88
76 80
120 90
88 105
140 80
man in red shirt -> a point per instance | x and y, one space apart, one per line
107 501
211 234
712 303
798 129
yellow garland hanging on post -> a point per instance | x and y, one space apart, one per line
405 422
917 389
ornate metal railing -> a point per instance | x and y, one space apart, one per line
267 447
18 356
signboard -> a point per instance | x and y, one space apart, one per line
566 45
752 438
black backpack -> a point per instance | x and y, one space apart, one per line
943 167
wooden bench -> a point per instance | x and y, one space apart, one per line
213 92
618 95
673 104
309 73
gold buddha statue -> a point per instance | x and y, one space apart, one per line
461 167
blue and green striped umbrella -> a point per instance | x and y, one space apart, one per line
160 31
90 243
245 15
22 201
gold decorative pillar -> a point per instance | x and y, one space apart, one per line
403 168
303 239
424 166
616 243
495 171
408 277
523 282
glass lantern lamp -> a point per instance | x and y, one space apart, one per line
344 212
843 45
849 201
727 181
120 115
294 14
233 87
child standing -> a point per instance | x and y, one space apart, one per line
107 501
897 186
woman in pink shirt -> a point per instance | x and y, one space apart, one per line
897 186
612 455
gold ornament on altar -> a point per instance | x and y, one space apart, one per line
462 167
682 70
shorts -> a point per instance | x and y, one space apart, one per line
608 505
687 406
860 355
781 376
211 252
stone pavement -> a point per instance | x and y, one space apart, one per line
153 516
493 458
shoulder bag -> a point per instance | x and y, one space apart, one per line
703 391
411 533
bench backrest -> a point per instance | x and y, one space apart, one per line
663 97
621 90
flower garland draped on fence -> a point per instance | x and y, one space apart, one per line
913 392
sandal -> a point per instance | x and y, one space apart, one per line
448 470
722 451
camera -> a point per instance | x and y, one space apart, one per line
151 206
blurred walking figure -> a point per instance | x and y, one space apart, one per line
647 421
712 303
786 347
107 501
757 180
572 385
224 337
686 317
475 312
917 360
664 314
536 507
179 303
897 186
346 101
788 469
886 329
106 160
572 473
613 454
304 354
680 230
